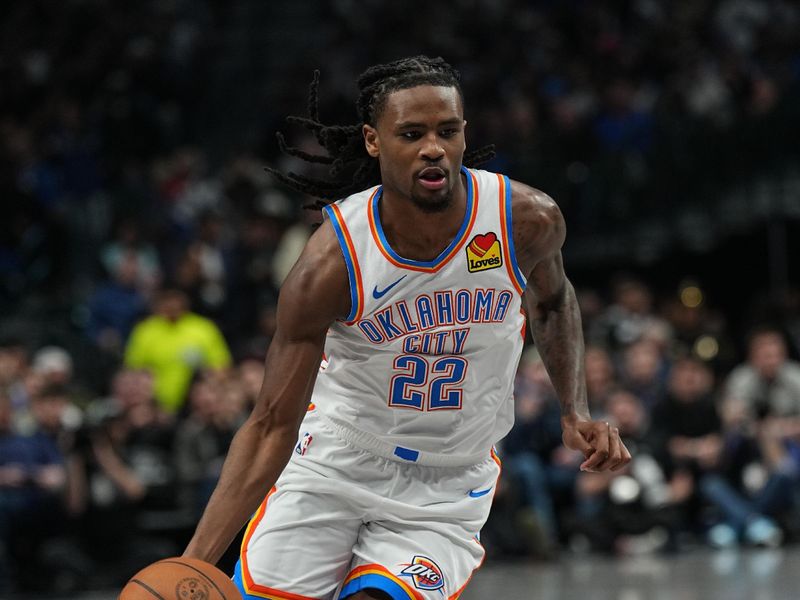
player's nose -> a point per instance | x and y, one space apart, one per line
431 148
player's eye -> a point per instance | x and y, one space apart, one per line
410 135
448 133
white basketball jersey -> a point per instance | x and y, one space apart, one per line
423 367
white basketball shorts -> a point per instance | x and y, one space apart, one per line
341 519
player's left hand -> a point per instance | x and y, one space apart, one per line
599 442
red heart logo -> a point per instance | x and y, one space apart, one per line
484 242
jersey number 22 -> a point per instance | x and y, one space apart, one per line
424 385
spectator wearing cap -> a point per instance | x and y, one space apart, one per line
51 368
175 343
54 364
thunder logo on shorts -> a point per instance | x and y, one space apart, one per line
483 253
425 573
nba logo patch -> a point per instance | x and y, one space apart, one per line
424 573
303 444
483 253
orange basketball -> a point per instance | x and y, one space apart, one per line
180 578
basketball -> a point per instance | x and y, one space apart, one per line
180 578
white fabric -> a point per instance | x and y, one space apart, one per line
361 385
337 508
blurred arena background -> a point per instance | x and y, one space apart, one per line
132 143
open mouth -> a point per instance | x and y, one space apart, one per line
433 178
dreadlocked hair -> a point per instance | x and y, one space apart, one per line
351 168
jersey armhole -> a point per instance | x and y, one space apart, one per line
334 215
515 274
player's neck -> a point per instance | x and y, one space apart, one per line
417 234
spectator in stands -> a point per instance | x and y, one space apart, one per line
216 410
32 477
204 268
14 367
116 305
628 318
643 372
534 456
687 424
174 344
13 363
54 364
55 416
129 244
600 379
250 371
128 482
768 384
762 410
51 372
637 509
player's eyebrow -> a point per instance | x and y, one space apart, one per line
412 124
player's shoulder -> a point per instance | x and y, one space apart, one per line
356 199
537 223
319 278
530 202
321 258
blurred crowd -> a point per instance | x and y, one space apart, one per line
140 263
715 438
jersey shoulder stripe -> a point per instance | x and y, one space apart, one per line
514 272
351 261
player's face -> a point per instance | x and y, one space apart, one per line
419 141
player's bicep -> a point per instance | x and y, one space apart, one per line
538 228
539 233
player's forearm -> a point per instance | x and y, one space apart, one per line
557 332
254 462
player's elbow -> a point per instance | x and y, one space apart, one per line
271 421
554 302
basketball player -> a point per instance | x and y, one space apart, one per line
379 462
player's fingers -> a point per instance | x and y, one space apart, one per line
614 450
600 442
575 440
626 457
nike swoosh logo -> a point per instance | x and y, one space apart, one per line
380 294
479 493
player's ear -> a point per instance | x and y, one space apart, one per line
371 141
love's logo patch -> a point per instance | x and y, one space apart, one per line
483 253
